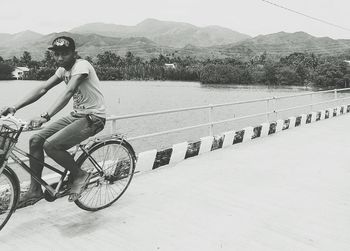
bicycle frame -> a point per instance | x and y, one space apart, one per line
109 160
50 189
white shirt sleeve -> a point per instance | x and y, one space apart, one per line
59 73
81 67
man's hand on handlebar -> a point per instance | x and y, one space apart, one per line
36 123
7 110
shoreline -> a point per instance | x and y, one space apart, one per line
273 86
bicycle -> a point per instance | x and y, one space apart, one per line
111 159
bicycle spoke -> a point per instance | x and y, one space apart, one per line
117 165
92 197
8 197
105 156
99 196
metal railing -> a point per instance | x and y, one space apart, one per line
271 108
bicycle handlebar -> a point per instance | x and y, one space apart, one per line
15 120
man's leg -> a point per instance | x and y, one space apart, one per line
63 158
36 149
56 147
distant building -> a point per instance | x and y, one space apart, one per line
170 66
20 72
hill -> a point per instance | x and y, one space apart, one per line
282 44
18 39
91 44
166 33
87 45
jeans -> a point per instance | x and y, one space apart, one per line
57 138
71 130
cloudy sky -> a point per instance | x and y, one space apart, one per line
252 17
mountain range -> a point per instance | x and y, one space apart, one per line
173 34
151 37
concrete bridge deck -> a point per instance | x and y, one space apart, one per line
289 191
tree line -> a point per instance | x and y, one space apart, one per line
302 69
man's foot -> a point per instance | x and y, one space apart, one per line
29 199
78 186
69 182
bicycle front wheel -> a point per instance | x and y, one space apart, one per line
9 192
117 160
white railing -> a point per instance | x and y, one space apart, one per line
271 108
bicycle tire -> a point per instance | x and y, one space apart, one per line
118 169
9 194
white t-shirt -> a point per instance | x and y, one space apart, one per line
88 98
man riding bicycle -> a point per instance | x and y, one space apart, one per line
87 118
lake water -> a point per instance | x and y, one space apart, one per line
129 97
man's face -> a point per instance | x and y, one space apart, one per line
64 58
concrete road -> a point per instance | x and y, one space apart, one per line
289 191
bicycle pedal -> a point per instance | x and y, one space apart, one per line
63 191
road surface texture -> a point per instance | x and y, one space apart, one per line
289 191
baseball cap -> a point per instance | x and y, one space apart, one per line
62 43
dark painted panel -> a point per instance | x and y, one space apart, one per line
217 142
286 124
272 129
318 116
326 114
334 112
193 149
257 131
308 118
238 137
162 158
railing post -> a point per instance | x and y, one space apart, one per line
335 93
312 102
211 127
267 110
275 107
113 126
336 96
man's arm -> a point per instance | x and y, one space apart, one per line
38 92
63 100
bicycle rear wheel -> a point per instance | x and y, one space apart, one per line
117 161
9 192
